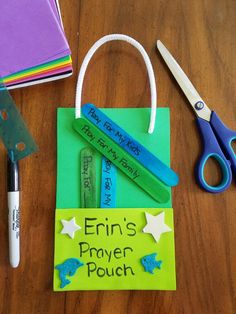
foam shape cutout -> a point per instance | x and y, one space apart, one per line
69 227
156 225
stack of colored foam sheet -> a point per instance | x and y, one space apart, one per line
34 48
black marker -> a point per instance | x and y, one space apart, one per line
14 212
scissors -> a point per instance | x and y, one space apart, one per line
217 138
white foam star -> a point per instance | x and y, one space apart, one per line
156 225
70 227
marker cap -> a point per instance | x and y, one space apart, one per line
12 175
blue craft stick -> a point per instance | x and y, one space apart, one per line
128 143
108 184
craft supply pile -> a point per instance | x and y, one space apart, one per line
34 48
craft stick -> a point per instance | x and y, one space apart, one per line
108 184
88 178
134 148
122 160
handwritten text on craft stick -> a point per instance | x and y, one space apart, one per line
120 158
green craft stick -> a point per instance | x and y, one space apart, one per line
88 178
122 160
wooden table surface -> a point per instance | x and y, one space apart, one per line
201 35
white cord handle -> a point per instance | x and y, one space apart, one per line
147 61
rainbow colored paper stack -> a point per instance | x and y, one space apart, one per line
34 48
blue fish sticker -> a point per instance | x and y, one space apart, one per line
68 268
149 263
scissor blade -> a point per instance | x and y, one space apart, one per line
189 90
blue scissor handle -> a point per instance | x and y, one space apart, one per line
225 137
211 148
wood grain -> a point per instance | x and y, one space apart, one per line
201 35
